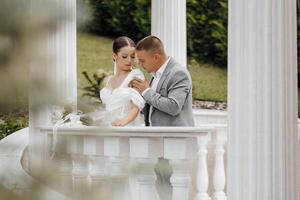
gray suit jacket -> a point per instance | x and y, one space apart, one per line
172 100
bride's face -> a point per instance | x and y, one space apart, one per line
125 58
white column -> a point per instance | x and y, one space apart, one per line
56 69
168 22
262 69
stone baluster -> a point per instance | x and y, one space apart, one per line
97 172
63 164
94 150
202 173
144 153
177 151
219 179
180 179
99 180
145 179
116 150
80 164
80 174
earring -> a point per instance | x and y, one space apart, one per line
115 67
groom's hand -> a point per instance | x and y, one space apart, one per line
139 84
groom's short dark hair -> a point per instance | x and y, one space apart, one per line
150 43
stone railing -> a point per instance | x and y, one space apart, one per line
119 163
202 117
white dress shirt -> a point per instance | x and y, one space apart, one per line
156 77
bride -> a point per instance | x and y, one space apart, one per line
122 103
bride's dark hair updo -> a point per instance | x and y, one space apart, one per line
121 42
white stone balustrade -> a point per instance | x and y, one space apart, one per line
118 163
80 174
144 153
219 179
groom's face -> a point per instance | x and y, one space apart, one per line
147 60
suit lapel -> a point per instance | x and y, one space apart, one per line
147 107
161 81
165 74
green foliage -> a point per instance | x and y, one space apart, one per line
118 17
207 30
7 128
298 39
206 24
10 123
95 84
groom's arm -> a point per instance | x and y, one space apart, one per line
177 92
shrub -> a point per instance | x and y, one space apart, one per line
118 17
10 123
298 39
95 84
207 31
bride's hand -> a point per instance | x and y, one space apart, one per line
139 85
118 122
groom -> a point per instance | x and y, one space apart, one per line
168 98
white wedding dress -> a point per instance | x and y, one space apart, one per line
118 101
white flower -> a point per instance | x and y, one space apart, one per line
57 113
100 72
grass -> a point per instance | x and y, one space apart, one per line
93 52
209 82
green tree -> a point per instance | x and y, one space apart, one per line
206 24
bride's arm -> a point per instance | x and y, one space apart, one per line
128 118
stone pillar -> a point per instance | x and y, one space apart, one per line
262 74
53 72
168 22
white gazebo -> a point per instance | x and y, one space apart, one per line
259 136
